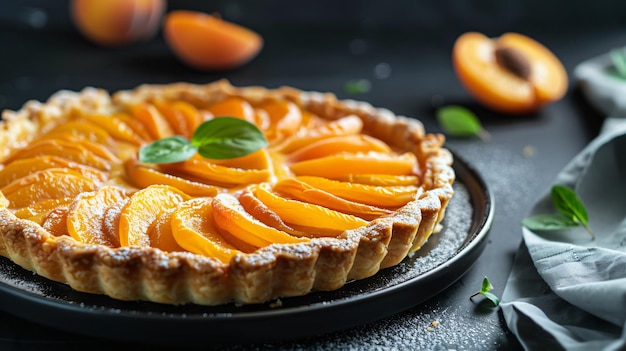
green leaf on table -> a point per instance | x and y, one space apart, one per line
459 121
548 222
484 290
359 86
572 213
227 137
618 58
218 138
569 205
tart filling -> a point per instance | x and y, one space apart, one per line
342 190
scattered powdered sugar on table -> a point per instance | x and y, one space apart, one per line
10 276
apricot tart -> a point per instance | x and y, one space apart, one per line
341 190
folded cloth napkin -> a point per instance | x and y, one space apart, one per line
567 291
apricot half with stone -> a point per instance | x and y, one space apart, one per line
511 74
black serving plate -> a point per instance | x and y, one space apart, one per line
445 258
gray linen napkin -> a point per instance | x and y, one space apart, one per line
566 291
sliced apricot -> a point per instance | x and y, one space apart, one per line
512 74
343 126
116 128
307 214
204 171
38 211
23 167
343 143
73 151
233 220
337 166
183 117
285 118
387 196
302 191
86 216
257 160
260 211
233 106
155 124
81 130
380 179
194 229
207 42
52 183
142 210
161 234
56 221
135 125
143 176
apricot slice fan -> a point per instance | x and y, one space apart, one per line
336 194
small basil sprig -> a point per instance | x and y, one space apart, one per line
218 138
484 290
459 121
572 213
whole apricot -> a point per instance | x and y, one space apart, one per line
511 74
117 22
207 42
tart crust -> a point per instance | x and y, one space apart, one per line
277 270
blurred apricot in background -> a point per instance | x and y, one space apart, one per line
207 42
117 22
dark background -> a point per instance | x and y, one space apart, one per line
404 49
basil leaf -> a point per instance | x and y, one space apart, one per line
548 222
227 137
486 285
459 121
618 57
360 86
567 202
491 297
167 150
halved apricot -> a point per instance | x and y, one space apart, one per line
343 143
194 229
337 166
387 196
143 176
233 220
207 42
117 22
86 216
512 74
52 183
307 214
302 191
141 211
